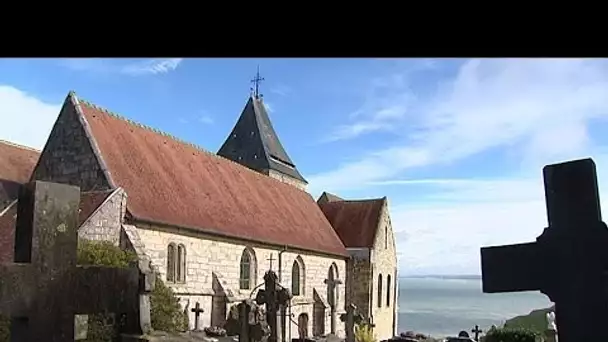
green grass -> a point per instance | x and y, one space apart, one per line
535 320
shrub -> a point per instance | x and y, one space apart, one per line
165 314
511 335
364 333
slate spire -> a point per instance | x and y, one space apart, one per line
254 143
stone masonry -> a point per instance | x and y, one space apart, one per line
68 156
364 267
384 261
211 259
287 179
104 224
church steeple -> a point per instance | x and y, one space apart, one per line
254 143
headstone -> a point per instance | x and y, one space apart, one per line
569 260
44 289
269 296
197 311
351 318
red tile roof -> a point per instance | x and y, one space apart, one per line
16 165
356 222
89 202
178 184
17 162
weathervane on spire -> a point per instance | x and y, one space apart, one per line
256 81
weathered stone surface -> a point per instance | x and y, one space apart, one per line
68 156
47 289
209 255
105 223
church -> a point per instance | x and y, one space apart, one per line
213 223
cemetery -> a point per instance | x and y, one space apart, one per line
45 292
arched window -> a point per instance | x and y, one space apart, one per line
297 277
171 263
181 263
247 270
388 290
379 290
332 287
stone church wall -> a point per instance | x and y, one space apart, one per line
384 261
359 279
105 222
68 155
214 263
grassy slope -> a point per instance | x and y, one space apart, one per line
535 320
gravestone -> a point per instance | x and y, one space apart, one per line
351 318
44 289
273 296
569 260
197 311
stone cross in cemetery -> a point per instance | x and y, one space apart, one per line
271 260
197 312
351 318
476 331
569 260
332 285
269 297
44 289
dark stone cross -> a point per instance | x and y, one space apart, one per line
476 331
197 312
44 289
269 296
569 260
351 318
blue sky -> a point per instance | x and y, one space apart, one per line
457 145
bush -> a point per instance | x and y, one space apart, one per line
364 333
511 335
165 314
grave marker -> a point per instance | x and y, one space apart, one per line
44 289
351 318
476 331
197 311
569 260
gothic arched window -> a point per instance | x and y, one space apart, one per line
247 270
171 256
297 277
379 290
181 263
388 290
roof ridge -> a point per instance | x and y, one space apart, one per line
360 200
13 144
171 136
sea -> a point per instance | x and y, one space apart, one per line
442 306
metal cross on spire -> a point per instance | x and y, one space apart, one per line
256 81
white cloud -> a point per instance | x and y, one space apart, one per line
152 67
442 233
120 66
535 111
527 106
205 119
25 119
281 90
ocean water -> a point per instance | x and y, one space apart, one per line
443 307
